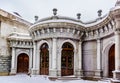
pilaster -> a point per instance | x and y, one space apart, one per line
79 72
13 69
116 72
98 71
116 15
30 60
34 69
53 70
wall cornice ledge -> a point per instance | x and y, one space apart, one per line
102 23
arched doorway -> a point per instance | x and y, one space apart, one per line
22 63
67 59
111 60
44 59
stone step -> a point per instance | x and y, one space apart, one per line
104 81
64 78
68 78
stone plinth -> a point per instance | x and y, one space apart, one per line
53 73
98 74
79 73
115 81
116 75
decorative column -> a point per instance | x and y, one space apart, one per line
98 72
116 15
30 61
53 70
13 69
79 71
117 51
59 61
116 73
34 70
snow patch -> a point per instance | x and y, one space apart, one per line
22 78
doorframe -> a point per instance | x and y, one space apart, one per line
105 57
109 59
40 59
39 43
67 60
17 62
60 52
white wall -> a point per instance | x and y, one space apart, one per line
5 30
89 56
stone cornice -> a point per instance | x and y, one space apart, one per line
56 25
13 22
101 24
18 39
4 16
21 43
82 26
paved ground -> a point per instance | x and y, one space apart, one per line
40 79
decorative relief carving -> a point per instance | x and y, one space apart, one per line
112 22
42 31
20 44
97 32
46 30
105 28
78 32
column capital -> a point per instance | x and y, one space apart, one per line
13 48
98 41
53 38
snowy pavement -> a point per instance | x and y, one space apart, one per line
40 79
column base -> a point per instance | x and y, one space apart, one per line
59 73
116 75
53 73
13 72
115 81
30 71
79 73
98 74
35 72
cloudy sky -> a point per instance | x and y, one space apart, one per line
43 8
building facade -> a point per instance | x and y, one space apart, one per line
61 46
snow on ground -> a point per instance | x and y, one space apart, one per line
39 79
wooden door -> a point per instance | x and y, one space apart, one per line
44 60
111 60
67 61
23 63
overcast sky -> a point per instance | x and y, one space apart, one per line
43 8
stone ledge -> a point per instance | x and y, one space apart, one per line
52 78
4 73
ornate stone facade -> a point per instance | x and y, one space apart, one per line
57 46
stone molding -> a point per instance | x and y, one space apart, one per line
75 31
21 44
